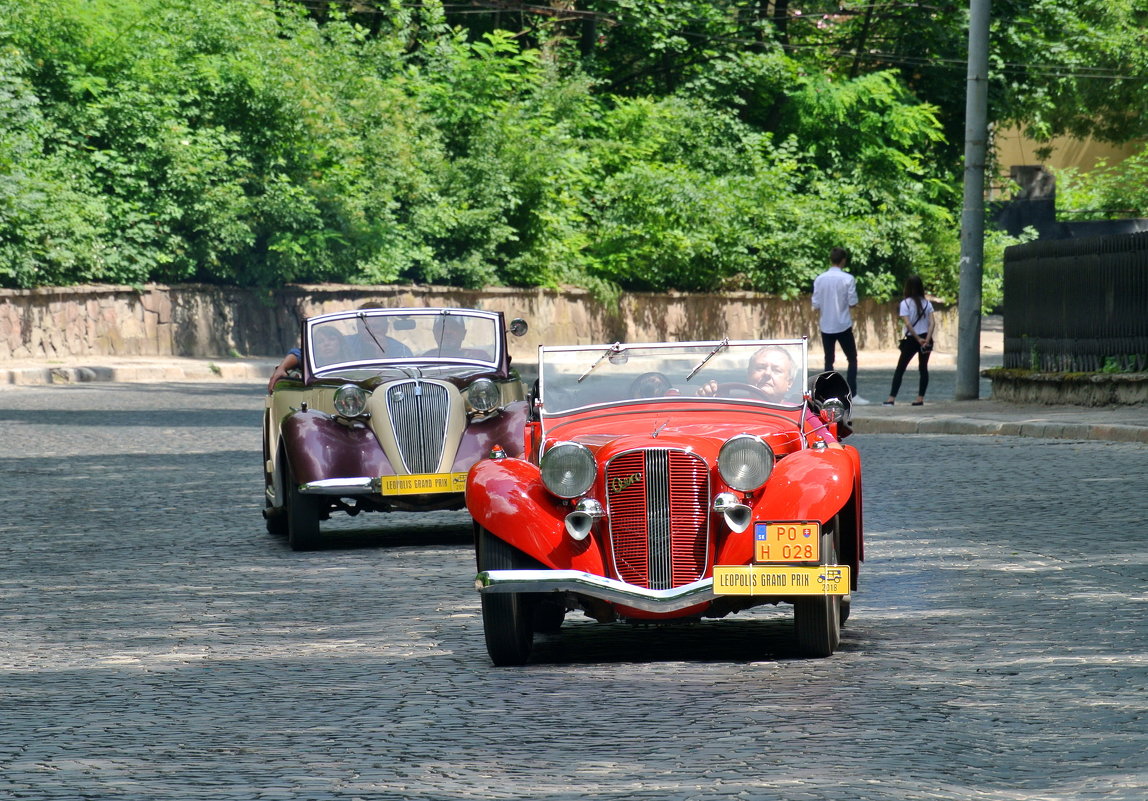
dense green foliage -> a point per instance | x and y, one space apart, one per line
640 144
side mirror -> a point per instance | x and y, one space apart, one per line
518 326
831 399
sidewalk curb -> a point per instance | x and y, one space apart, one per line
139 372
1035 429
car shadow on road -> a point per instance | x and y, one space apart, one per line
765 637
397 530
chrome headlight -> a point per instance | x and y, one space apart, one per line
483 395
745 462
350 400
568 469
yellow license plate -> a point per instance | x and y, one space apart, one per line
781 580
423 483
787 542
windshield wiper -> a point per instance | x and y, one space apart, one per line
723 344
615 348
363 325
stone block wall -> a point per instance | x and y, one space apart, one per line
210 321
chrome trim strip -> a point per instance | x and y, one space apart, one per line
588 584
363 485
659 541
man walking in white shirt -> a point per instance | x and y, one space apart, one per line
834 294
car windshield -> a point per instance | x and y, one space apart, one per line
412 336
770 372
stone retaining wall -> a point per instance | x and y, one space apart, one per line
209 321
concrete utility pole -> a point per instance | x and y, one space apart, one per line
973 213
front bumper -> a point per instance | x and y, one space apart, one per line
593 586
364 485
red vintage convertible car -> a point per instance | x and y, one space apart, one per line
662 482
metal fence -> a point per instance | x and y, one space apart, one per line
1077 305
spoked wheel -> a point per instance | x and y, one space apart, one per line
507 618
817 619
302 516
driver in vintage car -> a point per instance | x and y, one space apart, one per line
770 369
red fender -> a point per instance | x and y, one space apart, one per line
507 498
806 485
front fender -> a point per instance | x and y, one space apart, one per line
507 498
318 446
812 484
506 429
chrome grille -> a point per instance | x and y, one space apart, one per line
657 501
418 413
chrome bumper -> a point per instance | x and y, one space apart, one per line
588 584
364 485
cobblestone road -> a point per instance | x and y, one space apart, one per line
155 643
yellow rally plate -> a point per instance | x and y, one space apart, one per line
781 580
422 483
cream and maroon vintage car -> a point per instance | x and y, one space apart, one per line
669 482
390 409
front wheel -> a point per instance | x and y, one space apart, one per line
817 620
302 516
507 618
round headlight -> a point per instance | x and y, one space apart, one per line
483 395
745 462
350 400
568 469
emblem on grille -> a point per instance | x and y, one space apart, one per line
621 483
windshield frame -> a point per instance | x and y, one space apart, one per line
566 374
316 368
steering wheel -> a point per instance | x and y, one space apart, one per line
650 385
733 388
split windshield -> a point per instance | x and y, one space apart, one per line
770 372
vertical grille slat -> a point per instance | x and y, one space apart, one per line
418 413
657 502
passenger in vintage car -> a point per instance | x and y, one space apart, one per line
450 335
374 337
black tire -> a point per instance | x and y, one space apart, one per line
302 515
276 522
507 618
274 519
548 615
817 620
